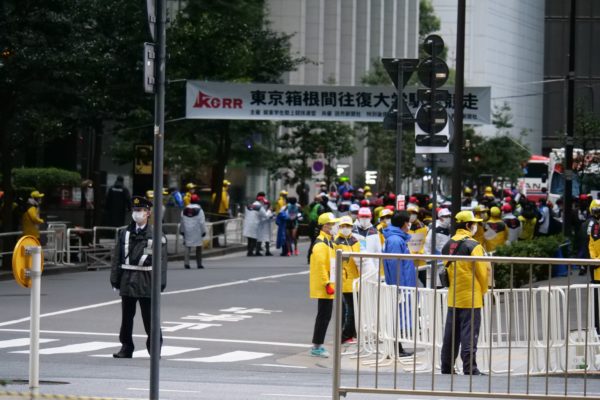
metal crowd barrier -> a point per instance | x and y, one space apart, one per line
538 341
51 249
232 233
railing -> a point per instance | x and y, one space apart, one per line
51 250
534 341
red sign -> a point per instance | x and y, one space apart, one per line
400 202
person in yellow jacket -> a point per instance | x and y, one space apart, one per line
468 284
481 212
31 218
385 216
322 278
345 241
224 204
594 247
495 232
187 198
281 201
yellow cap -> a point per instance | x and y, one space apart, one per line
488 189
226 182
284 192
150 194
190 186
412 209
495 212
385 212
37 195
327 218
595 204
346 220
468 190
367 188
467 216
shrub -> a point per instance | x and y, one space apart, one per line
543 246
44 179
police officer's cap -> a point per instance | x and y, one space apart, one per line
140 202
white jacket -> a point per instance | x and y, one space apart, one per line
193 225
369 243
265 226
252 219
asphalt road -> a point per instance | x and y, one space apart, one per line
239 329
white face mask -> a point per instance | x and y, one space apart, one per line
334 230
473 229
139 217
364 222
444 222
386 221
346 231
413 218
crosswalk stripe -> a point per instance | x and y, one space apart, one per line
4 344
75 348
232 356
165 352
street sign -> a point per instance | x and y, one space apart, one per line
149 70
442 160
22 262
400 202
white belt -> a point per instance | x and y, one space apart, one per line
136 267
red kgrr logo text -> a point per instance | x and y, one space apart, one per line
205 101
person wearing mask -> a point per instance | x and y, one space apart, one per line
118 203
317 207
368 239
418 232
495 231
281 201
513 225
354 211
594 249
442 232
399 272
31 220
322 278
385 216
467 199
131 273
346 242
193 229
251 222
468 284
481 212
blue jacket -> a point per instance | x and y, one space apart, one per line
281 221
396 242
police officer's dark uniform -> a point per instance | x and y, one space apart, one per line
131 274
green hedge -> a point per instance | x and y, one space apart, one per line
44 179
544 246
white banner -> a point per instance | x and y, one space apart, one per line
222 100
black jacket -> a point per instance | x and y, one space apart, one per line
131 271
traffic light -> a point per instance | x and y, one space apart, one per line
432 123
395 67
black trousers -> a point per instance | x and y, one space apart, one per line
462 339
324 310
349 330
128 308
251 246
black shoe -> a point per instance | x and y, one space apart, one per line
402 352
186 266
268 254
250 255
200 266
258 254
476 372
453 372
123 354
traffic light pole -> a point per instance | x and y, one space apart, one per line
159 129
568 164
433 268
399 131
458 109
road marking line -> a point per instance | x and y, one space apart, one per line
194 339
4 344
232 356
109 303
165 351
295 395
74 348
280 366
167 390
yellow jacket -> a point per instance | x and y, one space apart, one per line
350 271
479 235
419 230
281 202
527 227
187 199
31 222
380 227
497 233
224 204
463 287
321 258
594 246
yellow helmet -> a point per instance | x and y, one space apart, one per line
480 208
594 206
367 188
495 212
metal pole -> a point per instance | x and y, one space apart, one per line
159 128
35 273
568 164
399 130
433 269
337 338
458 108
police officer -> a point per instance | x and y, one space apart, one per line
468 284
131 273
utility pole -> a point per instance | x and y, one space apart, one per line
568 164
459 86
159 129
